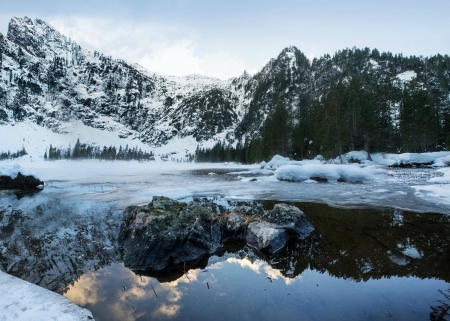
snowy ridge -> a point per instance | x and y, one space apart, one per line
50 80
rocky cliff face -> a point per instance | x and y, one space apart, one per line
50 79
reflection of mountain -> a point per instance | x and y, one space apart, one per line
52 243
55 242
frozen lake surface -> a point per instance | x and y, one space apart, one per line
131 183
376 247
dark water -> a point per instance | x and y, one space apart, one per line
358 264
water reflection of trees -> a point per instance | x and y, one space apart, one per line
52 243
364 244
358 244
441 312
55 242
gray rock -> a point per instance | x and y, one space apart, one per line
234 224
290 218
20 182
167 232
266 236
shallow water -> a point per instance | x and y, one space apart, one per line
357 264
239 289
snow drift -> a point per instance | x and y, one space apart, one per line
442 180
329 172
12 170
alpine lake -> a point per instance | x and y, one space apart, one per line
359 263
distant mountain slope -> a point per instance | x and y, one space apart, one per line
50 80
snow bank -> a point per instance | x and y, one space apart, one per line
356 157
277 161
12 170
436 159
442 180
329 172
351 157
442 161
26 301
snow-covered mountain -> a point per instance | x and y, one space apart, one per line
49 80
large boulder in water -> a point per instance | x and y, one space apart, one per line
167 232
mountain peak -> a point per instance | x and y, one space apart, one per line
290 49
246 74
37 37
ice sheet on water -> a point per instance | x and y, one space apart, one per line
131 183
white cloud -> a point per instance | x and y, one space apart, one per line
223 65
311 55
162 48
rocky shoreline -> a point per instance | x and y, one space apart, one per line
167 233
22 182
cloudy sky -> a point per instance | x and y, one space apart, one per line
222 38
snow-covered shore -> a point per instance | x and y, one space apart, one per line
22 300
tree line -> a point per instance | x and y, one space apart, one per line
85 151
355 102
9 155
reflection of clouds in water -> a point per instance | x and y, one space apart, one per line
88 290
125 304
167 310
174 293
84 291
246 263
256 267
275 274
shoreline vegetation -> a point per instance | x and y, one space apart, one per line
85 151
8 155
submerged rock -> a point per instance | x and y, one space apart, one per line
20 182
166 233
